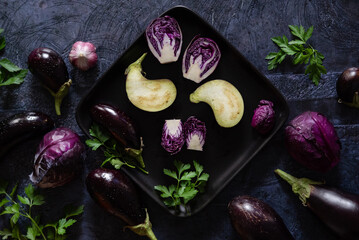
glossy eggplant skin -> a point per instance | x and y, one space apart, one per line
116 193
337 209
253 219
121 126
348 84
22 126
49 67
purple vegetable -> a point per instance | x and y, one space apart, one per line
117 194
49 67
264 117
200 58
254 219
172 136
195 133
164 38
312 140
58 158
348 87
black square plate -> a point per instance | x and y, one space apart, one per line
226 150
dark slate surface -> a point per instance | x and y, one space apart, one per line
249 24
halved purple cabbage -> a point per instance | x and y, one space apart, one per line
200 59
264 117
172 136
164 38
58 158
195 133
312 141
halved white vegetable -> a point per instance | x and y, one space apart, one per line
225 100
148 95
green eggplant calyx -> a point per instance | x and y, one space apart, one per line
136 65
354 103
136 154
143 229
60 94
300 186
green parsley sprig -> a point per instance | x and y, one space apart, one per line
23 208
116 155
9 72
302 52
188 184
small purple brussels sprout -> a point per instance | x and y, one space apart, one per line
58 158
312 141
172 136
264 117
200 59
164 38
195 133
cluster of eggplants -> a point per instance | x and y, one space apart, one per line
58 158
49 67
22 126
254 219
117 194
348 87
339 210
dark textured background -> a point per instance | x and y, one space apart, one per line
249 24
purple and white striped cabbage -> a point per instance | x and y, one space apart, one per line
172 136
200 59
164 38
58 158
195 133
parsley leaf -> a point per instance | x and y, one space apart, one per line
2 39
116 155
36 230
188 184
300 50
10 73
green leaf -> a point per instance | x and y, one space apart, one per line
4 201
38 200
299 42
165 191
24 200
280 41
95 131
5 233
116 163
189 195
308 33
94 144
187 176
271 55
181 167
15 218
63 224
204 177
297 31
32 233
9 66
72 211
198 168
170 173
30 191
3 186
13 190
15 78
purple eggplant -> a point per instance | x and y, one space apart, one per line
49 67
339 210
22 126
117 194
253 219
121 126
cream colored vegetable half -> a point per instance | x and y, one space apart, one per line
148 95
225 100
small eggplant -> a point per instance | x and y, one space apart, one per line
22 126
337 209
348 87
120 125
253 219
117 194
50 68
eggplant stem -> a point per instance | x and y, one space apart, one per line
136 64
60 94
300 186
143 229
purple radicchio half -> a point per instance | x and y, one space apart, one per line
172 136
311 140
200 59
195 133
264 117
58 158
164 38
